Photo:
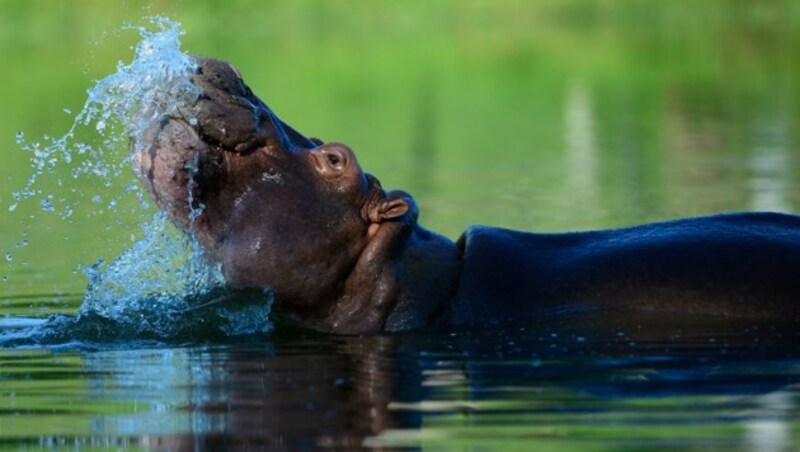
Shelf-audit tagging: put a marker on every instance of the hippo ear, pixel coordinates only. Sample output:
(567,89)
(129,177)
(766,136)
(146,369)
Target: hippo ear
(396,205)
(390,209)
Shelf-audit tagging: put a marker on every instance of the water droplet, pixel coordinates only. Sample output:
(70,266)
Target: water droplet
(67,111)
(97,199)
(9,257)
(46,205)
(193,121)
(20,137)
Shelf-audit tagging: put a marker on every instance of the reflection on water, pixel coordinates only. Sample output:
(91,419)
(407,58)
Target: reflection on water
(584,382)
(772,429)
(770,180)
(580,142)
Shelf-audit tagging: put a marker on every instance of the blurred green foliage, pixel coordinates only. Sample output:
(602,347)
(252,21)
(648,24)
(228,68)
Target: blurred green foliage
(546,115)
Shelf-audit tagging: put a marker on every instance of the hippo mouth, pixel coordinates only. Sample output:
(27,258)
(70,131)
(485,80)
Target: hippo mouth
(197,162)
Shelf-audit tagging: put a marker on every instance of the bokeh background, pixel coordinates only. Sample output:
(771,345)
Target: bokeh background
(541,115)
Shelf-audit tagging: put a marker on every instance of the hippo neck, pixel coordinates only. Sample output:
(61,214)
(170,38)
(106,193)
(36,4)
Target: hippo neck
(428,268)
(405,279)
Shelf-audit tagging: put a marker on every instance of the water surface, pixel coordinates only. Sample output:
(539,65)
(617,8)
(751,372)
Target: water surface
(566,385)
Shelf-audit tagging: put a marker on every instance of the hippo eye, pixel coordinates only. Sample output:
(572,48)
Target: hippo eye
(333,159)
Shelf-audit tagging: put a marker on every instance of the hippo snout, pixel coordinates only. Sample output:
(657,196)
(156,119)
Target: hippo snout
(227,114)
(197,162)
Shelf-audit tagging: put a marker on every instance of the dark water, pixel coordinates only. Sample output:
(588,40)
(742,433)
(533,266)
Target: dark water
(574,384)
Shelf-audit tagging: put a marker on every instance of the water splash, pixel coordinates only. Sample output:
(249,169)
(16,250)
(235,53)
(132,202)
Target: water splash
(118,107)
(169,261)
(163,287)
(164,276)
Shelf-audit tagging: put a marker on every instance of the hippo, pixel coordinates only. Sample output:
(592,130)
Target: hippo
(299,216)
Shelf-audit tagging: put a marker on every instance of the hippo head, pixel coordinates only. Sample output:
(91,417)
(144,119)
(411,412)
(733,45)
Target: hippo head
(275,208)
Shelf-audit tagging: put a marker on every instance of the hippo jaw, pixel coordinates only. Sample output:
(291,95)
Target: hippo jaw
(301,234)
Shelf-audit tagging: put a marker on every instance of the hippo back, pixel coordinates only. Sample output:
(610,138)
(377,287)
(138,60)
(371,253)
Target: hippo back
(732,265)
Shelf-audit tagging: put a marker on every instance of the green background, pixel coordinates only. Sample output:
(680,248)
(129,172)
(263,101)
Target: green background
(537,115)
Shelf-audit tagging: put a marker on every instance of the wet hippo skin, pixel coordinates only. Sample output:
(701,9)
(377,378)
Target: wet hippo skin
(728,265)
(294,214)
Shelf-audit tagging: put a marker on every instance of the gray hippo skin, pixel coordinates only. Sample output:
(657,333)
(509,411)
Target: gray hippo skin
(342,255)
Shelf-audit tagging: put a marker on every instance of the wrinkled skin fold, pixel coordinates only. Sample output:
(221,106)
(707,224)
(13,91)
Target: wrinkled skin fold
(295,214)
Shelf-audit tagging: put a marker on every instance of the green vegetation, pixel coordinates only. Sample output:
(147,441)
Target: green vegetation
(546,115)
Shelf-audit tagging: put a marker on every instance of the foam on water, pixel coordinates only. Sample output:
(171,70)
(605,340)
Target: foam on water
(163,286)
